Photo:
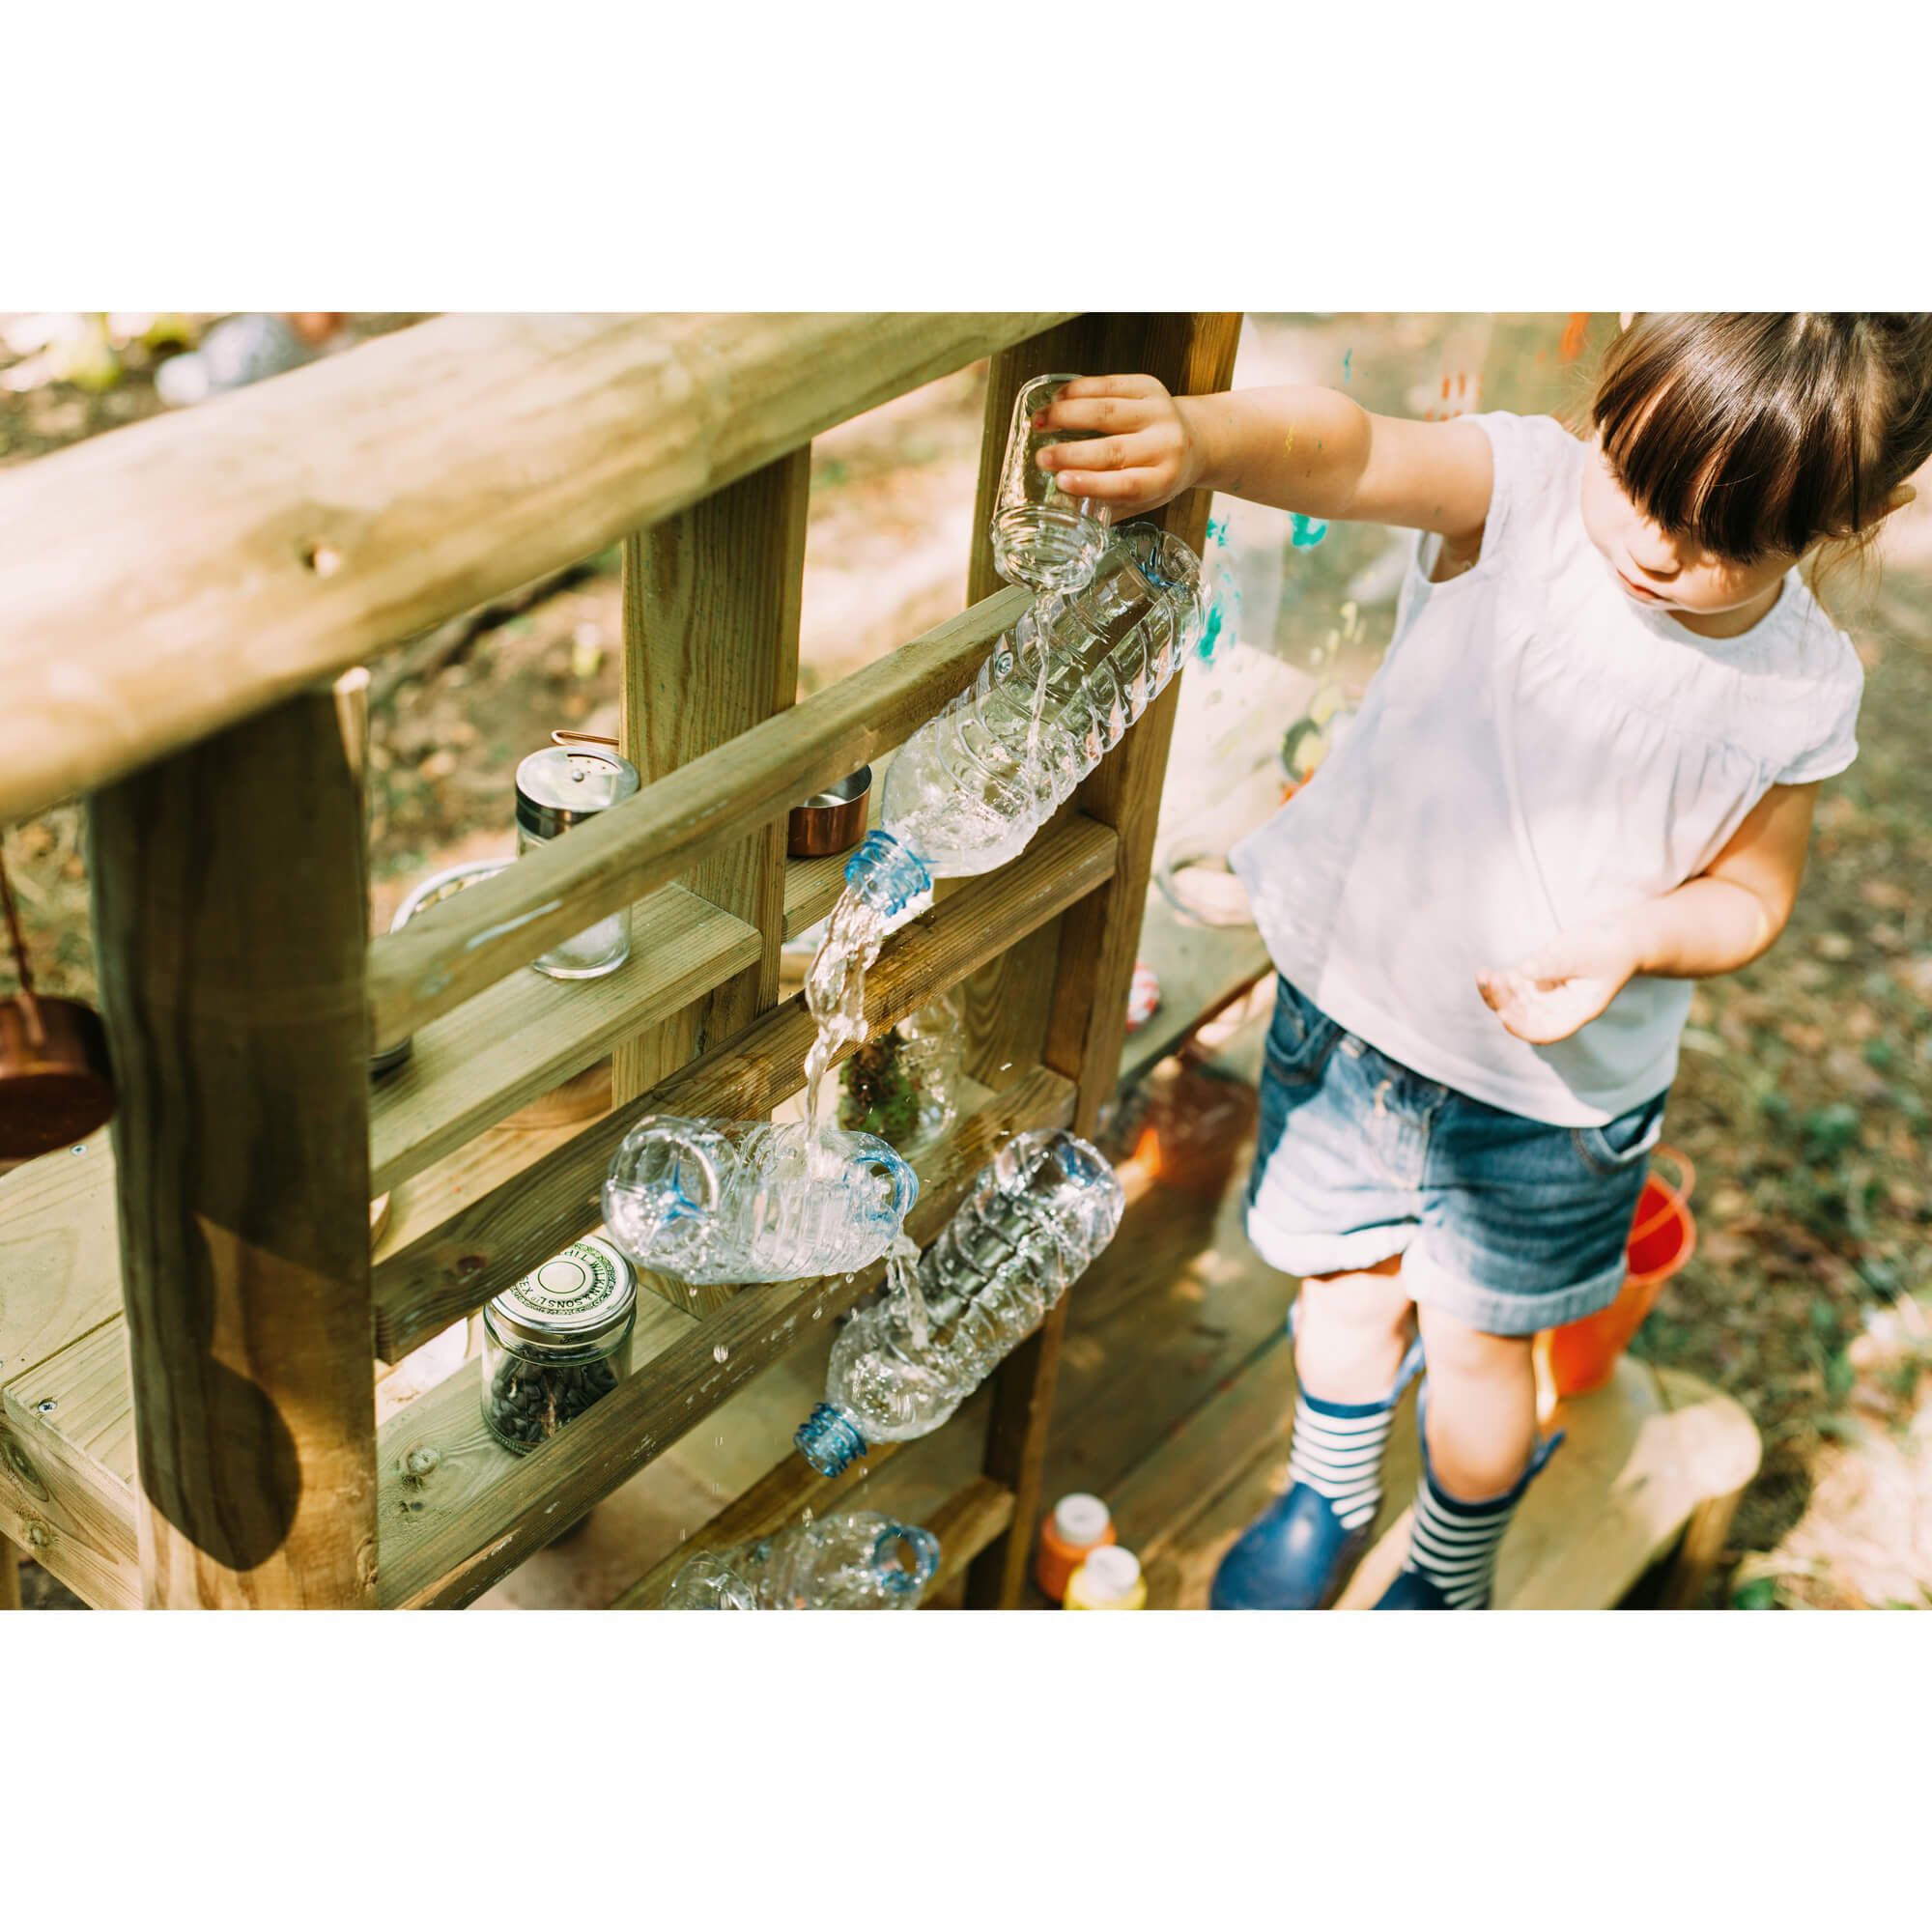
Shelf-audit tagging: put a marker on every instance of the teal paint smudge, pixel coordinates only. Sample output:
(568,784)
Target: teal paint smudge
(1218,530)
(1210,636)
(1348,357)
(1307,531)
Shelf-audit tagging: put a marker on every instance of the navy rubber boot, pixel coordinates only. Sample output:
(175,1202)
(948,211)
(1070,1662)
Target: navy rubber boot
(1465,1524)
(1297,1556)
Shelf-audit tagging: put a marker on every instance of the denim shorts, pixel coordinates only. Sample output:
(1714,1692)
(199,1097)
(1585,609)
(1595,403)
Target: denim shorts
(1507,1224)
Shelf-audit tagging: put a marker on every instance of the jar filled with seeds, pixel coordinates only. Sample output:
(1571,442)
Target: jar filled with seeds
(557,1343)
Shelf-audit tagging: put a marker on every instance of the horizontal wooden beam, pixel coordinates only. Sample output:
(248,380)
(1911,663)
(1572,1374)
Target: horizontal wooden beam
(474,937)
(487,1243)
(522,1035)
(67,1468)
(275,537)
(967,1522)
(456,1511)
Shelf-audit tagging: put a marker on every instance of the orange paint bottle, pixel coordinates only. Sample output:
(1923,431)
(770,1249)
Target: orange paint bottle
(1078,1524)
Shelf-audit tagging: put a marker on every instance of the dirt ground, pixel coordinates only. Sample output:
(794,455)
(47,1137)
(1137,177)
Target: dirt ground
(1804,1094)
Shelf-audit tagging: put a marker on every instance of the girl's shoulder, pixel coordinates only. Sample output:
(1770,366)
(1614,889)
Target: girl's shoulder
(1809,681)
(1538,465)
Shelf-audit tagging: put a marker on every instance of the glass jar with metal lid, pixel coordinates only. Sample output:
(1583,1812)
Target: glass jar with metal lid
(559,787)
(557,1343)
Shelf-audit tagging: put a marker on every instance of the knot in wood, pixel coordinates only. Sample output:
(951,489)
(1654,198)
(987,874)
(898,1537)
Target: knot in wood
(420,1461)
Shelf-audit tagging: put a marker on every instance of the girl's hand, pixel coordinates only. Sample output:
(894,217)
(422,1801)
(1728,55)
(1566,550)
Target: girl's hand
(1553,992)
(1146,456)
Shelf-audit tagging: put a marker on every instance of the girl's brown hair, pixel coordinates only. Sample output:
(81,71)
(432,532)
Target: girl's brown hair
(1759,435)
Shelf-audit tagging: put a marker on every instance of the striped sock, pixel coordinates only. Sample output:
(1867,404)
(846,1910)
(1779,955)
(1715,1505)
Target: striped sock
(1338,1453)
(1453,1544)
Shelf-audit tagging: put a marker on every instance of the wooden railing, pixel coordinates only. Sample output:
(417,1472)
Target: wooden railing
(188,1411)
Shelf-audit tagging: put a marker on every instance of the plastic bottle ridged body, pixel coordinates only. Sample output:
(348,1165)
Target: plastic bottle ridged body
(1037,1215)
(859,1560)
(742,1200)
(969,789)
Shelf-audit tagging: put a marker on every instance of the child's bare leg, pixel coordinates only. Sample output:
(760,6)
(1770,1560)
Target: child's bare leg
(1482,1405)
(1352,1338)
(1351,1332)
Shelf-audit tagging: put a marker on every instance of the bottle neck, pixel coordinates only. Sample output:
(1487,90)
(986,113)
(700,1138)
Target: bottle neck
(887,876)
(829,1440)
(907,1559)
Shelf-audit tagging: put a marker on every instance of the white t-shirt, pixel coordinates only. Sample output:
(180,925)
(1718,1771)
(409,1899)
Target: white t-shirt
(1535,752)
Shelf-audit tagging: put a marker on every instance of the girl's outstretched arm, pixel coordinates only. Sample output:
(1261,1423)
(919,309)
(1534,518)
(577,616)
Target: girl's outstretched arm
(1715,923)
(1299,448)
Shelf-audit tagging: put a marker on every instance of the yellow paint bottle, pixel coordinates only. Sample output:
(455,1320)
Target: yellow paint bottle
(1110,1580)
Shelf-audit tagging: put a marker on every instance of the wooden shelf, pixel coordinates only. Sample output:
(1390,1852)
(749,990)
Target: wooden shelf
(250,1141)
(525,1035)
(456,1511)
(473,938)
(474,1245)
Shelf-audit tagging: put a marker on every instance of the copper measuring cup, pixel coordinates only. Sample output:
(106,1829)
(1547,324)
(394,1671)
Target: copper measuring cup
(56,1086)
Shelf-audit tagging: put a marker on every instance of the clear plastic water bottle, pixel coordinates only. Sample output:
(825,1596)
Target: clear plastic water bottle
(970,787)
(1043,1208)
(738,1200)
(857,1561)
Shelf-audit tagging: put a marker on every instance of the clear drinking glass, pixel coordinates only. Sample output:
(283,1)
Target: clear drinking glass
(1041,537)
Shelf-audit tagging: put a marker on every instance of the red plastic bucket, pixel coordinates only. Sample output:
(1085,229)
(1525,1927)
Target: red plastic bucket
(1583,1355)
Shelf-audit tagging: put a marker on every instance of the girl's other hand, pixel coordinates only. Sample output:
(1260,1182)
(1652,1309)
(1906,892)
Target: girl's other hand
(1144,454)
(1562,987)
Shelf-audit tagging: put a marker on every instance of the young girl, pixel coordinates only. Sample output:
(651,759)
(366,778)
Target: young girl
(1584,776)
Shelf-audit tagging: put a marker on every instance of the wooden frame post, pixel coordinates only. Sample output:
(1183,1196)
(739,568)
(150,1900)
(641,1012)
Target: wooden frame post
(711,625)
(231,928)
(1079,1014)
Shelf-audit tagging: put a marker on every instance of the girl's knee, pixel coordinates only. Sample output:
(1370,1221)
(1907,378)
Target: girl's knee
(1364,1300)
(1453,1347)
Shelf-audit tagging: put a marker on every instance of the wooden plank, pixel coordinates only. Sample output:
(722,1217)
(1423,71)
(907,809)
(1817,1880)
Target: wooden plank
(67,1476)
(229,924)
(526,1033)
(476,936)
(12,1556)
(975,1519)
(769,1504)
(1086,1017)
(277,536)
(472,1531)
(1637,1468)
(488,1244)
(59,1253)
(711,617)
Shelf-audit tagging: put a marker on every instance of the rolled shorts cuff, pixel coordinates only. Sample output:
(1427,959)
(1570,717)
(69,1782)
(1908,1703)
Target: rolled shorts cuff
(1499,1310)
(1299,1254)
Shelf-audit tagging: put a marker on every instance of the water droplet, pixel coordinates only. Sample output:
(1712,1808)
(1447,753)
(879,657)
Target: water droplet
(817,1313)
(720,1353)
